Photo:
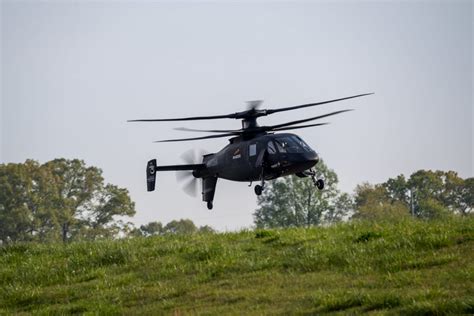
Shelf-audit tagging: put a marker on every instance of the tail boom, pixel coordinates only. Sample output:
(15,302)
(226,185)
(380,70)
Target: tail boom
(152,169)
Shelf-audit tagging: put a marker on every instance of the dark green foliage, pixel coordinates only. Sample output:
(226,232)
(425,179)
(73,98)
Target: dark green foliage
(409,267)
(59,200)
(296,202)
(370,235)
(427,194)
(180,227)
(152,228)
(264,233)
(183,226)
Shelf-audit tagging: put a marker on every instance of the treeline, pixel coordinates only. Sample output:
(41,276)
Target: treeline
(181,227)
(65,200)
(426,194)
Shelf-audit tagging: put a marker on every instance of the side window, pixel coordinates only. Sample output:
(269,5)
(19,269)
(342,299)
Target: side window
(271,148)
(281,146)
(252,150)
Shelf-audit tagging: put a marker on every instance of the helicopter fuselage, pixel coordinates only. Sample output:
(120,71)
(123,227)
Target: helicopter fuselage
(269,156)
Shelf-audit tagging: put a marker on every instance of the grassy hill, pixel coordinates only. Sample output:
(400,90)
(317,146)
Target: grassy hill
(409,267)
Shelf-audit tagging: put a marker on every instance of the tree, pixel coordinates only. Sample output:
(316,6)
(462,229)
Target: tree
(431,194)
(25,202)
(398,190)
(206,229)
(375,203)
(108,202)
(343,207)
(294,202)
(151,229)
(440,190)
(430,208)
(466,201)
(59,199)
(75,186)
(459,193)
(183,226)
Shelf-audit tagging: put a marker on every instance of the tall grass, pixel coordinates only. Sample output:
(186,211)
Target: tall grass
(407,267)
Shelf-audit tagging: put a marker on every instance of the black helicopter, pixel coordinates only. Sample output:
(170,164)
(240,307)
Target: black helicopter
(254,153)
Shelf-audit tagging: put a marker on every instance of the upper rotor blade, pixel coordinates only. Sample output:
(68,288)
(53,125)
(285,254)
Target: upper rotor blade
(271,111)
(194,138)
(208,130)
(304,120)
(301,126)
(193,118)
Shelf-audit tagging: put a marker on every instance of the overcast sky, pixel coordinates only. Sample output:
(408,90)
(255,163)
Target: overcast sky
(73,73)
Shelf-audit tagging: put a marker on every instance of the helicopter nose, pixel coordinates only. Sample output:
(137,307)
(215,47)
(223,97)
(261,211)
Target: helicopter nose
(307,160)
(313,157)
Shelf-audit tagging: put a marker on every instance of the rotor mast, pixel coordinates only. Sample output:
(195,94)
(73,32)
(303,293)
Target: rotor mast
(249,123)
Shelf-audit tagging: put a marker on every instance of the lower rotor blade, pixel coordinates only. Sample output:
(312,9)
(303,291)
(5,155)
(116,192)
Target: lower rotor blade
(305,120)
(195,138)
(296,127)
(208,130)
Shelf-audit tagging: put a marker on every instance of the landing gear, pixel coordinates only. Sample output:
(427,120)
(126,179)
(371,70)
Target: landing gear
(209,205)
(259,187)
(319,183)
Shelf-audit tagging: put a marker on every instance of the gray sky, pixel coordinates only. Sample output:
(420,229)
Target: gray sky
(73,73)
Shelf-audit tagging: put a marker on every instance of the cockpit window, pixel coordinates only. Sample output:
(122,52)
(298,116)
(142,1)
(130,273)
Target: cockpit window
(271,148)
(291,144)
(302,143)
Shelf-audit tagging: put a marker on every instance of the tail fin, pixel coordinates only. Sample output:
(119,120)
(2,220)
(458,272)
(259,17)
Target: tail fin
(151,175)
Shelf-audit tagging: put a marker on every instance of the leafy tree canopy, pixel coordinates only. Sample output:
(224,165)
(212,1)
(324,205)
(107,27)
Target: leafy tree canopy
(61,199)
(179,227)
(294,202)
(427,194)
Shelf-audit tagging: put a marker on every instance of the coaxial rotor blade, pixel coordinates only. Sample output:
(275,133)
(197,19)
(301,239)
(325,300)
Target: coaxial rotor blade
(209,131)
(251,112)
(273,127)
(271,111)
(296,127)
(193,118)
(194,138)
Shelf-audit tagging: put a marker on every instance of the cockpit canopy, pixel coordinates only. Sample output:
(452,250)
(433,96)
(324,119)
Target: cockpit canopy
(291,144)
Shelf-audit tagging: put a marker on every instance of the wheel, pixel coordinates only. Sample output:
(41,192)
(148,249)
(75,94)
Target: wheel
(258,189)
(320,184)
(209,205)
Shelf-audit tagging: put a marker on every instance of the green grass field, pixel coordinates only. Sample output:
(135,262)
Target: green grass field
(409,267)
